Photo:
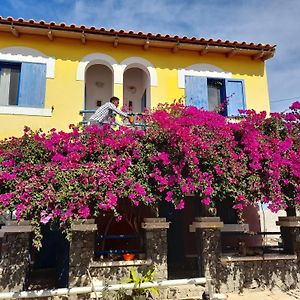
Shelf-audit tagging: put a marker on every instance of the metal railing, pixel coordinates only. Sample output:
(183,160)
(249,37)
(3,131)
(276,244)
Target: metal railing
(86,112)
(122,237)
(265,246)
(113,287)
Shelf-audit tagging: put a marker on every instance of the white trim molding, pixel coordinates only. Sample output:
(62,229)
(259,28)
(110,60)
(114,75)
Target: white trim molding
(142,63)
(205,70)
(117,69)
(93,59)
(29,111)
(25,54)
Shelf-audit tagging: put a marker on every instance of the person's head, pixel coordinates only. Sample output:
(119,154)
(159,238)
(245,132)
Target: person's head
(115,100)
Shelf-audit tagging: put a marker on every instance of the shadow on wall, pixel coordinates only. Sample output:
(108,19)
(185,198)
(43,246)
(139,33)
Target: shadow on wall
(236,276)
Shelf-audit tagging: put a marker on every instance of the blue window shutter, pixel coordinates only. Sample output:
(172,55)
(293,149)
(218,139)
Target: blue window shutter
(32,85)
(235,96)
(196,93)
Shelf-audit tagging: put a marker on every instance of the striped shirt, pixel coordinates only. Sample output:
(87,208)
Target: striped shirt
(106,113)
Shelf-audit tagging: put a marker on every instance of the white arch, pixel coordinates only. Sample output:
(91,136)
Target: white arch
(205,70)
(94,58)
(26,54)
(142,63)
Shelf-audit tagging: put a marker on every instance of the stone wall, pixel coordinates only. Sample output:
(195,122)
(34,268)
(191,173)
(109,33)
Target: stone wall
(235,273)
(156,245)
(14,262)
(208,238)
(82,247)
(116,272)
(258,273)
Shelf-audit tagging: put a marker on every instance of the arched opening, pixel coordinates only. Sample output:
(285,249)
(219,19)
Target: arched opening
(98,85)
(136,89)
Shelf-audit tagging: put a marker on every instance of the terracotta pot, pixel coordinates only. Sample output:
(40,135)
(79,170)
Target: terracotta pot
(128,256)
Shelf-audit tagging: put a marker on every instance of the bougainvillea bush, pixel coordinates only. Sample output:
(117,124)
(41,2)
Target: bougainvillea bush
(66,176)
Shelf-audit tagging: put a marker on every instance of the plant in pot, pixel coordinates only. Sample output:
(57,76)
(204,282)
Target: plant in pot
(128,256)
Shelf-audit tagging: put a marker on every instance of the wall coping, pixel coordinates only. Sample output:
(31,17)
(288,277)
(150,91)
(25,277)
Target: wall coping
(84,221)
(270,257)
(207,219)
(159,225)
(235,228)
(108,264)
(155,220)
(155,223)
(16,223)
(205,225)
(290,218)
(16,227)
(288,223)
(84,227)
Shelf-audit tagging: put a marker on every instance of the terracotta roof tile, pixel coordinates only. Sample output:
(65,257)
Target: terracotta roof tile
(122,32)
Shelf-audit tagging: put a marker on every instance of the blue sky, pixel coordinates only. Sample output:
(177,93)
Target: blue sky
(262,21)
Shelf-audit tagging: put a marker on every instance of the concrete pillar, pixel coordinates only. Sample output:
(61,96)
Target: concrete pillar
(208,238)
(156,245)
(14,263)
(118,92)
(82,247)
(290,233)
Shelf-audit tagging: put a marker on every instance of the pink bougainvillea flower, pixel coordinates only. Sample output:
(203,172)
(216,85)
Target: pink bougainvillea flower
(206,201)
(45,218)
(180,205)
(139,189)
(169,196)
(295,105)
(84,212)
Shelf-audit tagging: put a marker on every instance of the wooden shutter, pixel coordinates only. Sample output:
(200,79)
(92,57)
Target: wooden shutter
(32,85)
(196,93)
(235,96)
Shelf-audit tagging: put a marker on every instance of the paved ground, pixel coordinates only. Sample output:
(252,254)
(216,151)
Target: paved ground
(266,295)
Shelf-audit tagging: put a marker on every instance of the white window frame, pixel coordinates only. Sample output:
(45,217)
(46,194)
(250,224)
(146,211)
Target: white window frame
(26,54)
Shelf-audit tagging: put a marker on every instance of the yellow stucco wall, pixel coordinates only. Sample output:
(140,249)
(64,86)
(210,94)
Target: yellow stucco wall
(66,94)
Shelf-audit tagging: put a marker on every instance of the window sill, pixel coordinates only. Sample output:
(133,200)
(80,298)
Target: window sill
(230,259)
(121,263)
(29,111)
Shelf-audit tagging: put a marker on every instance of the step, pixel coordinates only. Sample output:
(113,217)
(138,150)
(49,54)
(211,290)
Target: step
(184,292)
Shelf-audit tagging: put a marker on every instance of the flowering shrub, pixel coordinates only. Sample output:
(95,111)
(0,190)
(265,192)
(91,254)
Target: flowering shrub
(65,176)
(272,146)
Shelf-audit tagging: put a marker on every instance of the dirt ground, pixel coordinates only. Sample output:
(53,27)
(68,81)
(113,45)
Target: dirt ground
(266,295)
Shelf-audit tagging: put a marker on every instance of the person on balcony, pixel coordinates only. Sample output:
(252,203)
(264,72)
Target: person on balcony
(107,112)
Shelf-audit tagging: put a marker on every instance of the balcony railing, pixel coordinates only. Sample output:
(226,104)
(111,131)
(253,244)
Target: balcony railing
(86,113)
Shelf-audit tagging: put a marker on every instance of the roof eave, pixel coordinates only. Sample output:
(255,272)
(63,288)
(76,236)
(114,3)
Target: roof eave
(230,49)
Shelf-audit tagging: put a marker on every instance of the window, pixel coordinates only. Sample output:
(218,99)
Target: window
(22,84)
(9,83)
(210,93)
(116,238)
(214,89)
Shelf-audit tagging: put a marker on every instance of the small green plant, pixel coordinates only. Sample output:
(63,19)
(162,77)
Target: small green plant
(139,293)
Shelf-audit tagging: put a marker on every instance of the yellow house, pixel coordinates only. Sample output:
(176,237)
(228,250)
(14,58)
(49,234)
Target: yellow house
(50,72)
